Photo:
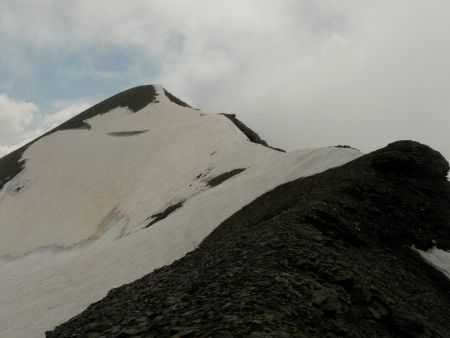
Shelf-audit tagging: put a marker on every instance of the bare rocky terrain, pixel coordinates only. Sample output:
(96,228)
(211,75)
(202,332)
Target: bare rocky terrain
(329,255)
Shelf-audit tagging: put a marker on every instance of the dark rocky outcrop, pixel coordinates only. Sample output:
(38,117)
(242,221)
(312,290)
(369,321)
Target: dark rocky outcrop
(176,100)
(127,133)
(165,213)
(134,99)
(324,256)
(251,135)
(11,165)
(345,146)
(215,181)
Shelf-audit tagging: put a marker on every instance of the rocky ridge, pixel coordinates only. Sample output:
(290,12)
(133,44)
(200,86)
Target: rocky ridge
(329,255)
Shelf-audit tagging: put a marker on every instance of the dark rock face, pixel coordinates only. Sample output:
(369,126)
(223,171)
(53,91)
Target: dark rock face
(215,181)
(127,133)
(176,100)
(10,166)
(345,146)
(251,135)
(414,159)
(134,98)
(164,214)
(324,256)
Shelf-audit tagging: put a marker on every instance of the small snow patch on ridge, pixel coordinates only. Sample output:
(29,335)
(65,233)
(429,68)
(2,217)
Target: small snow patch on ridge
(438,258)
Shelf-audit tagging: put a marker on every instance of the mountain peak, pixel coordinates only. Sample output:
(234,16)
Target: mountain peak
(413,158)
(134,99)
(142,179)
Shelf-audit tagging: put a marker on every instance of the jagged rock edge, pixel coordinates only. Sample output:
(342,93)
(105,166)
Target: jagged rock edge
(251,135)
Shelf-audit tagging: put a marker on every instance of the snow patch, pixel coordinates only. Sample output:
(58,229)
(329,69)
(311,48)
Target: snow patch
(438,258)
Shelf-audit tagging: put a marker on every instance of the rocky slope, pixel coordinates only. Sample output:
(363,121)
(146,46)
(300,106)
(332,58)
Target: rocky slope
(330,255)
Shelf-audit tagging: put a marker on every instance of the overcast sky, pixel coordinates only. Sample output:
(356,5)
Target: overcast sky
(302,73)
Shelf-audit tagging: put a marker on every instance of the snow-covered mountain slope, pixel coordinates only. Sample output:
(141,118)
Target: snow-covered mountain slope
(329,255)
(127,186)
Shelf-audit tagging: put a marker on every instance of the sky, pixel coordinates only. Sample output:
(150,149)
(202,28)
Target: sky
(301,73)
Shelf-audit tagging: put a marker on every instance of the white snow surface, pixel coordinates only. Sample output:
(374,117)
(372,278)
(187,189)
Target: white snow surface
(439,258)
(76,228)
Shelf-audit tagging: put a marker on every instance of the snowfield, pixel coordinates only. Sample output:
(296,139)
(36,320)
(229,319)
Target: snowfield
(438,258)
(74,222)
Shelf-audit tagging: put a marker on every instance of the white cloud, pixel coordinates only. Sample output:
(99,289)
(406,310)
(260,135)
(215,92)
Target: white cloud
(15,115)
(302,72)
